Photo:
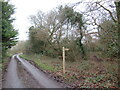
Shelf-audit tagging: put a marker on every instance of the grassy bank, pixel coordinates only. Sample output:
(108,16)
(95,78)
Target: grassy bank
(40,62)
(5,62)
(81,74)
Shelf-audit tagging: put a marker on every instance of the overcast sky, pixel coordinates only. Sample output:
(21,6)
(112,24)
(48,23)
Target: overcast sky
(25,8)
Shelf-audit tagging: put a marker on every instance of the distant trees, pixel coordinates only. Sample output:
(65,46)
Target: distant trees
(8,32)
(60,27)
(94,30)
(76,21)
(20,47)
(38,40)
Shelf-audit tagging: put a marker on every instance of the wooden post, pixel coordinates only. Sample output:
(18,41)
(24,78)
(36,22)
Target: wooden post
(63,60)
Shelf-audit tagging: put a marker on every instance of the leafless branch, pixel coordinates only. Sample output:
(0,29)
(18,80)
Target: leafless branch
(108,11)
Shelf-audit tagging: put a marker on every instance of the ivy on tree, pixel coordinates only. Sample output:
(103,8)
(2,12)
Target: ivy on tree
(75,18)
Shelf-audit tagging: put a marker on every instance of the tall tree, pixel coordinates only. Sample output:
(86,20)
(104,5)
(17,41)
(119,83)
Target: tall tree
(38,39)
(99,10)
(108,36)
(8,32)
(0,29)
(118,24)
(76,20)
(60,24)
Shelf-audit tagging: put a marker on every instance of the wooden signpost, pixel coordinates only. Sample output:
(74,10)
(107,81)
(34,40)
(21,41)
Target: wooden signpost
(64,49)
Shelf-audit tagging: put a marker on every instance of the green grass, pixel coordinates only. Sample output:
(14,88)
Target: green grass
(36,59)
(25,57)
(44,66)
(5,62)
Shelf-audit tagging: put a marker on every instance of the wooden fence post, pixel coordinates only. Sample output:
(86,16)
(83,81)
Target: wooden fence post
(63,60)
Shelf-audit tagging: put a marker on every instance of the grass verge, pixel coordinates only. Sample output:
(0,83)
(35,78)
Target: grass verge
(37,61)
(81,74)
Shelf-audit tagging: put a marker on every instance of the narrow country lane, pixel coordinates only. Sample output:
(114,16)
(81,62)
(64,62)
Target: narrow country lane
(44,80)
(20,73)
(12,79)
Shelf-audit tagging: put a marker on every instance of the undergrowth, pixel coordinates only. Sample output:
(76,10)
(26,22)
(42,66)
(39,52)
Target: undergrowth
(81,74)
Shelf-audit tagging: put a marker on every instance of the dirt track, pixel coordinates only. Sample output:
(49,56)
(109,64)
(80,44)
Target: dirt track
(22,74)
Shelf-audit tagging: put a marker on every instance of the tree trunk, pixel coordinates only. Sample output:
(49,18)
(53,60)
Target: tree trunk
(82,50)
(118,24)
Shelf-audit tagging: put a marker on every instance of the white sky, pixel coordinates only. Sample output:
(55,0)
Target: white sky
(25,8)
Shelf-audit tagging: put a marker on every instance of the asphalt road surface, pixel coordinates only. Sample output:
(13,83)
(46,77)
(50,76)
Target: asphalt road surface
(22,74)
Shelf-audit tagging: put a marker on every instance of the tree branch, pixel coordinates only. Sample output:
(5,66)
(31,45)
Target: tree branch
(108,12)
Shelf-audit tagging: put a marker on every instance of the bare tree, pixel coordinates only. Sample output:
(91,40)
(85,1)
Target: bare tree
(98,11)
